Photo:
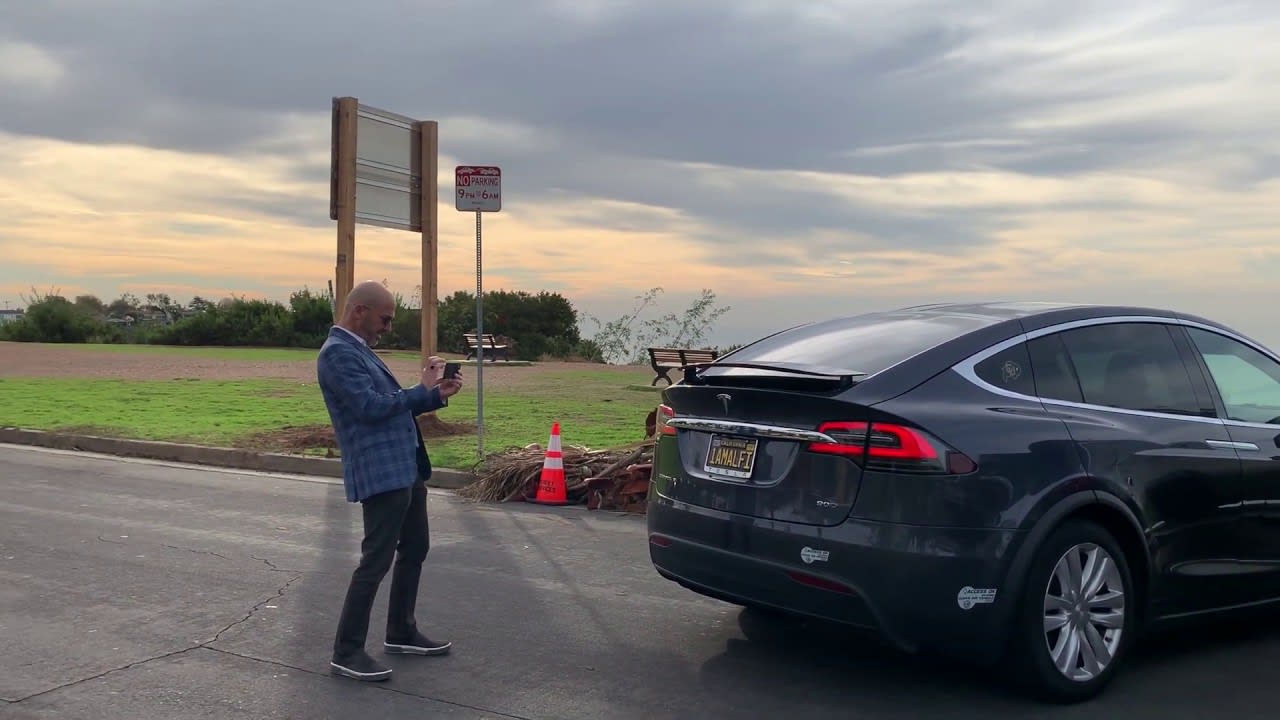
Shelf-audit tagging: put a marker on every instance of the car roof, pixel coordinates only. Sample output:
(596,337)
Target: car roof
(1010,316)
(973,326)
(1038,313)
(1016,310)
(1000,316)
(960,329)
(1000,308)
(1033,315)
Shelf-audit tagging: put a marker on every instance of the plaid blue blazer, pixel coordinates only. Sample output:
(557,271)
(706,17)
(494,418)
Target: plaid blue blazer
(373,418)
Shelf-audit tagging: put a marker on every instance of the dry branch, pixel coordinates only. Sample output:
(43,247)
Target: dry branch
(513,475)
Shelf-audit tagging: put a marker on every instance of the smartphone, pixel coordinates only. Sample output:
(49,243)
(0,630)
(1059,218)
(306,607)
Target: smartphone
(451,370)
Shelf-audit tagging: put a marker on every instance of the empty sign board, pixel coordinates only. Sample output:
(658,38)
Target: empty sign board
(388,176)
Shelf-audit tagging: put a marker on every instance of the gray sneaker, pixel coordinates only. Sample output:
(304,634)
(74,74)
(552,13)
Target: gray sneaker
(417,644)
(361,667)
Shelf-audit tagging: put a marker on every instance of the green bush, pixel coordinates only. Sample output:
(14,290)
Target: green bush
(55,319)
(312,317)
(406,329)
(541,325)
(258,323)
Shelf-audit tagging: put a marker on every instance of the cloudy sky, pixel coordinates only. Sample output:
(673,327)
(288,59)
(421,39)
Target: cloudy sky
(800,159)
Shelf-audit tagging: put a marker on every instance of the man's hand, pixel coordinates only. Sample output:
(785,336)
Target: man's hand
(449,388)
(431,378)
(431,373)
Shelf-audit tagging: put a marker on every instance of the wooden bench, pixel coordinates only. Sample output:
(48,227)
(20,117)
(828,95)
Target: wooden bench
(665,360)
(492,348)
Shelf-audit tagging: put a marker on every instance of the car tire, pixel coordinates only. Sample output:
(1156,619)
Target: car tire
(1067,644)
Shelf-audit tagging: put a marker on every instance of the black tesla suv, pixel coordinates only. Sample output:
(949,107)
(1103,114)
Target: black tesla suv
(1020,481)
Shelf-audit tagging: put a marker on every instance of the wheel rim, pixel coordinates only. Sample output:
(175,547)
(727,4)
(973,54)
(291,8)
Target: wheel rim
(1084,612)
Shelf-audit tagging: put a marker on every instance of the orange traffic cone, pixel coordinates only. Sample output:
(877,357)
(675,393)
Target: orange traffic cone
(551,487)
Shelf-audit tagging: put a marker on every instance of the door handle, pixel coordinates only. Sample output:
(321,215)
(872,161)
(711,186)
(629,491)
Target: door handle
(1229,445)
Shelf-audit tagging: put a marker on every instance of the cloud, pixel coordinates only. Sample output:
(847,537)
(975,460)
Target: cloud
(828,149)
(24,66)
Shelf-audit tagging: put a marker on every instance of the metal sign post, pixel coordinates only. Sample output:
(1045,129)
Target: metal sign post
(479,188)
(479,346)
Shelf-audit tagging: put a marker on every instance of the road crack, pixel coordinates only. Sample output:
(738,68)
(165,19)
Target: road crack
(105,673)
(273,567)
(279,593)
(198,552)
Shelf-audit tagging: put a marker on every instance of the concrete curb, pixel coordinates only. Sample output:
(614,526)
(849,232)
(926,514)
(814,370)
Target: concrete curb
(202,455)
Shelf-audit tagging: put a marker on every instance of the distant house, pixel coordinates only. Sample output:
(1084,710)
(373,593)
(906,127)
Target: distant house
(153,314)
(148,315)
(7,316)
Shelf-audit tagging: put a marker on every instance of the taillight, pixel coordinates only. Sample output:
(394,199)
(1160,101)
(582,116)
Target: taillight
(850,439)
(664,414)
(890,447)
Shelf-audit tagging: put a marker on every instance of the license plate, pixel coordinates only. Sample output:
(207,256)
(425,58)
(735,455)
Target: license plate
(731,456)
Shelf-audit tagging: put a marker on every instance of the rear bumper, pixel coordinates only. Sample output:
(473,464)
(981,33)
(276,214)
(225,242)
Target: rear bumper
(906,582)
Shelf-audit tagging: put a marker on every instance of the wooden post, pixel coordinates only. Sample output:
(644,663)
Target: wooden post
(344,197)
(428,131)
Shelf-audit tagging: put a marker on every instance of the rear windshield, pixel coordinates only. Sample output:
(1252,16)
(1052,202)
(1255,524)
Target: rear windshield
(866,343)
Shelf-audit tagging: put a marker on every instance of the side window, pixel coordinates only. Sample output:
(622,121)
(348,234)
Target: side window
(1009,369)
(1131,365)
(1055,377)
(1248,381)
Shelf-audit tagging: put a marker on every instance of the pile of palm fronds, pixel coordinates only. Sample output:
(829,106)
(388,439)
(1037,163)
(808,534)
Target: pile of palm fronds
(596,477)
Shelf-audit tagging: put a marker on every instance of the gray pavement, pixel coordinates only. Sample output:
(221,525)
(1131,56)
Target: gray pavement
(139,589)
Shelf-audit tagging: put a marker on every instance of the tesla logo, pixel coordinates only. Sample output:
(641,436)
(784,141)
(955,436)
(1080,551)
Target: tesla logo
(724,399)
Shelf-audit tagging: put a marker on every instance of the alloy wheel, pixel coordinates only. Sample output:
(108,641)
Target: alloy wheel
(1084,612)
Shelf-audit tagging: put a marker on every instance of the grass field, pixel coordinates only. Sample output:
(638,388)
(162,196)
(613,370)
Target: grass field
(268,399)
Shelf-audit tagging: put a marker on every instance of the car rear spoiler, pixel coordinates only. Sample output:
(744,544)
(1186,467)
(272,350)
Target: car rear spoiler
(847,377)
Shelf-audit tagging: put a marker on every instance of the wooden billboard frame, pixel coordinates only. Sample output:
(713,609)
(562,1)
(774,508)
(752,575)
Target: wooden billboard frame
(424,215)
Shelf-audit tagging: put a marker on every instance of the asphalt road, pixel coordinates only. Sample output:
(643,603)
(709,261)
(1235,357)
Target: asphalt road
(134,589)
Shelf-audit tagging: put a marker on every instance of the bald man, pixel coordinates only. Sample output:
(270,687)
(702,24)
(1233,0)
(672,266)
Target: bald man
(384,468)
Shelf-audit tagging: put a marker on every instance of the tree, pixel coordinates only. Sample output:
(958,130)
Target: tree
(52,318)
(621,341)
(539,325)
(126,304)
(542,324)
(92,305)
(312,316)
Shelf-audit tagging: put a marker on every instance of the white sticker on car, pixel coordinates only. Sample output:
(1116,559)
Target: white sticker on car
(810,556)
(968,597)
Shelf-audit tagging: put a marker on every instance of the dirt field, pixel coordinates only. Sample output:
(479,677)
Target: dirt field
(47,360)
(39,360)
